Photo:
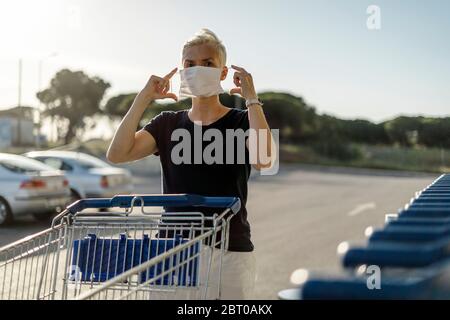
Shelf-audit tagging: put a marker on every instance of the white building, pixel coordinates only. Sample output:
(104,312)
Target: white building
(15,130)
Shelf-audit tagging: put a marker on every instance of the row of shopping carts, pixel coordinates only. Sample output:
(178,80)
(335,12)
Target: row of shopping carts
(408,259)
(127,251)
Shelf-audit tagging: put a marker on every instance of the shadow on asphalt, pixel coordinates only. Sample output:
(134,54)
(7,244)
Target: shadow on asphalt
(27,222)
(20,228)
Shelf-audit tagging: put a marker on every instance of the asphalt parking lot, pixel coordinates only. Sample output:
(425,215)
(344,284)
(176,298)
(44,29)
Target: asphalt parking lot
(299,216)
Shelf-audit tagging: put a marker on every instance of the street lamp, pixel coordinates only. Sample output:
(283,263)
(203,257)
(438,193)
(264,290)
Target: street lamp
(40,67)
(19,103)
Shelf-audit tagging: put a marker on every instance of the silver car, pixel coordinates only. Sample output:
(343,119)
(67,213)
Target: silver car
(88,176)
(28,187)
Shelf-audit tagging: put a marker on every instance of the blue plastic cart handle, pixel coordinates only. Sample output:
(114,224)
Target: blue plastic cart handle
(157,200)
(409,234)
(405,221)
(335,289)
(435,192)
(435,212)
(393,255)
(432,200)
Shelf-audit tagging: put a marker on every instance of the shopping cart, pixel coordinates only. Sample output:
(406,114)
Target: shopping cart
(409,256)
(121,254)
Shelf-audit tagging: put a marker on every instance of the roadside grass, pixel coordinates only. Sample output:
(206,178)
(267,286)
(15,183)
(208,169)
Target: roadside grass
(433,160)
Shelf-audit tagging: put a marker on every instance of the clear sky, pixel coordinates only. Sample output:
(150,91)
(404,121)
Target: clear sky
(321,50)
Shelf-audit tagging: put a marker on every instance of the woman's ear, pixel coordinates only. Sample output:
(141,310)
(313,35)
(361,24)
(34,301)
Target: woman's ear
(224,74)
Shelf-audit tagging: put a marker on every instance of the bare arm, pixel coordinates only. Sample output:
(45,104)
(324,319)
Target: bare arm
(263,139)
(127,144)
(261,150)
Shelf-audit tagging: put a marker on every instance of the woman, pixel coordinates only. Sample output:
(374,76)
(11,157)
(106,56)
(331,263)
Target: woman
(204,63)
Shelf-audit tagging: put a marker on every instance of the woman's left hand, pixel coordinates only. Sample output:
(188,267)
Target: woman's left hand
(244,83)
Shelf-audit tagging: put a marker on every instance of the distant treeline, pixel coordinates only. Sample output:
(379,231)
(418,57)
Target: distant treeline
(299,123)
(334,137)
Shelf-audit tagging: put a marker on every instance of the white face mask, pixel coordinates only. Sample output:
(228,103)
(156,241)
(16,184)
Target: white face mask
(200,81)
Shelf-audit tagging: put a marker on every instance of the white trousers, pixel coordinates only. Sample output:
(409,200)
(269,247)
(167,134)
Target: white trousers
(238,275)
(235,281)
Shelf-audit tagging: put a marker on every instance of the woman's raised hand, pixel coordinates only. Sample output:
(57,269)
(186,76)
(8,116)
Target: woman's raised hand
(243,81)
(158,88)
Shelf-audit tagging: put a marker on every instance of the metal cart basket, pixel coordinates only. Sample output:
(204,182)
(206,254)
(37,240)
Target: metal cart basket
(121,253)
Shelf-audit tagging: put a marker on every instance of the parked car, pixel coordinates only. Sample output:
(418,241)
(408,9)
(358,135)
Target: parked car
(28,187)
(88,176)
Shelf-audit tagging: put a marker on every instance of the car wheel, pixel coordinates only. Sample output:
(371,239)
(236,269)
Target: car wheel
(5,213)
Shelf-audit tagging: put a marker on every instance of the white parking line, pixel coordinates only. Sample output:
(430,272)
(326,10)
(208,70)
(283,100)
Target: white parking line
(361,208)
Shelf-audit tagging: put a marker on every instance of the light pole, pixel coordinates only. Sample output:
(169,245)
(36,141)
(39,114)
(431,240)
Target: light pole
(19,103)
(40,67)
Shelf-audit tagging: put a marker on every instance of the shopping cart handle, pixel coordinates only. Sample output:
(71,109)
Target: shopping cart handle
(425,212)
(394,256)
(357,288)
(157,200)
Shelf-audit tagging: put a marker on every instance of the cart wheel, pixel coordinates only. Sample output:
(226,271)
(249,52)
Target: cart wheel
(5,213)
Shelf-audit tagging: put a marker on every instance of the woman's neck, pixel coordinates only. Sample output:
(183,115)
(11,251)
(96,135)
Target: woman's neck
(207,109)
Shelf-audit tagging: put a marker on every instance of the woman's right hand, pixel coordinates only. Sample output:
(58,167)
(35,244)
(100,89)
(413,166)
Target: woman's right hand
(158,88)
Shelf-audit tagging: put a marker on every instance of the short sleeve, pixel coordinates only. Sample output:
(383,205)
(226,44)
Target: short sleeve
(155,127)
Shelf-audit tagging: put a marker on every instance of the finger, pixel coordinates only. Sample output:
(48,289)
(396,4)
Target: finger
(170,74)
(162,85)
(156,79)
(156,82)
(171,96)
(236,90)
(238,68)
(239,74)
(237,79)
(242,75)
(166,87)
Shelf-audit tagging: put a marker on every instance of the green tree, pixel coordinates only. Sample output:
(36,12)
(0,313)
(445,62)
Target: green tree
(297,121)
(363,131)
(403,130)
(73,96)
(119,105)
(435,132)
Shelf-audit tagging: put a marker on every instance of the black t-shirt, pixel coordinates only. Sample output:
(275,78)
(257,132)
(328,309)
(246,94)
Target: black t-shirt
(222,177)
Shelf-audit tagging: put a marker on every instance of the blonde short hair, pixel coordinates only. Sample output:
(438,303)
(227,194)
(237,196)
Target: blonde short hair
(207,36)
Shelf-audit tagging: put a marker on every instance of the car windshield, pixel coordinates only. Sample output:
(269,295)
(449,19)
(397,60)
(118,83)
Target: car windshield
(19,164)
(90,162)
